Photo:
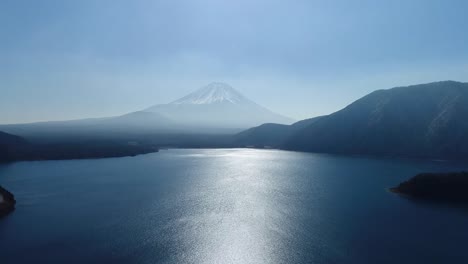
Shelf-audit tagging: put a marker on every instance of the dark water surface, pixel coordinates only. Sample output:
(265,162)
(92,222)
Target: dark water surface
(226,206)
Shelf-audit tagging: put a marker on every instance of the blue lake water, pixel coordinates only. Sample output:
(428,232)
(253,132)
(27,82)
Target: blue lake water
(226,206)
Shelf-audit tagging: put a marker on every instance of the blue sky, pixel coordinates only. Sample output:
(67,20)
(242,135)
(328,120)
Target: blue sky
(67,59)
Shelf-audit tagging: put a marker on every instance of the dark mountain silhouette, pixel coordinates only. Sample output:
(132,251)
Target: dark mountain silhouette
(10,144)
(422,120)
(14,148)
(427,120)
(271,135)
(10,140)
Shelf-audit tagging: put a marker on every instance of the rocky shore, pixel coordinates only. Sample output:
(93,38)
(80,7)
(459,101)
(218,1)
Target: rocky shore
(7,202)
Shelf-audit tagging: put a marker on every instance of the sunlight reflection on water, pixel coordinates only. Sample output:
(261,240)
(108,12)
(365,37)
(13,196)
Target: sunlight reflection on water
(224,206)
(234,216)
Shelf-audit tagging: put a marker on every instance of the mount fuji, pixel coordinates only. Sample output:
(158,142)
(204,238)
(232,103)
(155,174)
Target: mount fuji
(215,108)
(217,105)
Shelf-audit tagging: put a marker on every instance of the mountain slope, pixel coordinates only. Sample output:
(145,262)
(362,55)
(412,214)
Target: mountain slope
(9,144)
(14,148)
(132,123)
(272,135)
(428,120)
(217,105)
(141,120)
(215,92)
(10,140)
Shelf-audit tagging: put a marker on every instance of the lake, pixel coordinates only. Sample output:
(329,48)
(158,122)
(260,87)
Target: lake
(227,206)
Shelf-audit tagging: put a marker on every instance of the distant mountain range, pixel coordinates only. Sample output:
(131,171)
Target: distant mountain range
(213,109)
(427,120)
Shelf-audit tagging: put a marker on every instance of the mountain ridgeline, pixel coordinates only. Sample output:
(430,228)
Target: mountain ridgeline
(270,134)
(427,120)
(214,109)
(217,106)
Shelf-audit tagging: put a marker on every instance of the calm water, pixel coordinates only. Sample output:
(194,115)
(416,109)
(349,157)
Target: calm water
(226,206)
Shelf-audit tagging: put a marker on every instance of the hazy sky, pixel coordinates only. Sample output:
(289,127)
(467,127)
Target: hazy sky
(68,59)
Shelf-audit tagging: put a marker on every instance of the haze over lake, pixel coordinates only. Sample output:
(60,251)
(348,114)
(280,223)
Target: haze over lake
(221,132)
(226,206)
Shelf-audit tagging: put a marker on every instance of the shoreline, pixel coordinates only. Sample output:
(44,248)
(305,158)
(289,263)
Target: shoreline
(7,202)
(83,156)
(445,187)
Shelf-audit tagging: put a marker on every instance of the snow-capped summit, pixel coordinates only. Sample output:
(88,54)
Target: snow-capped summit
(215,92)
(217,105)
(213,109)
